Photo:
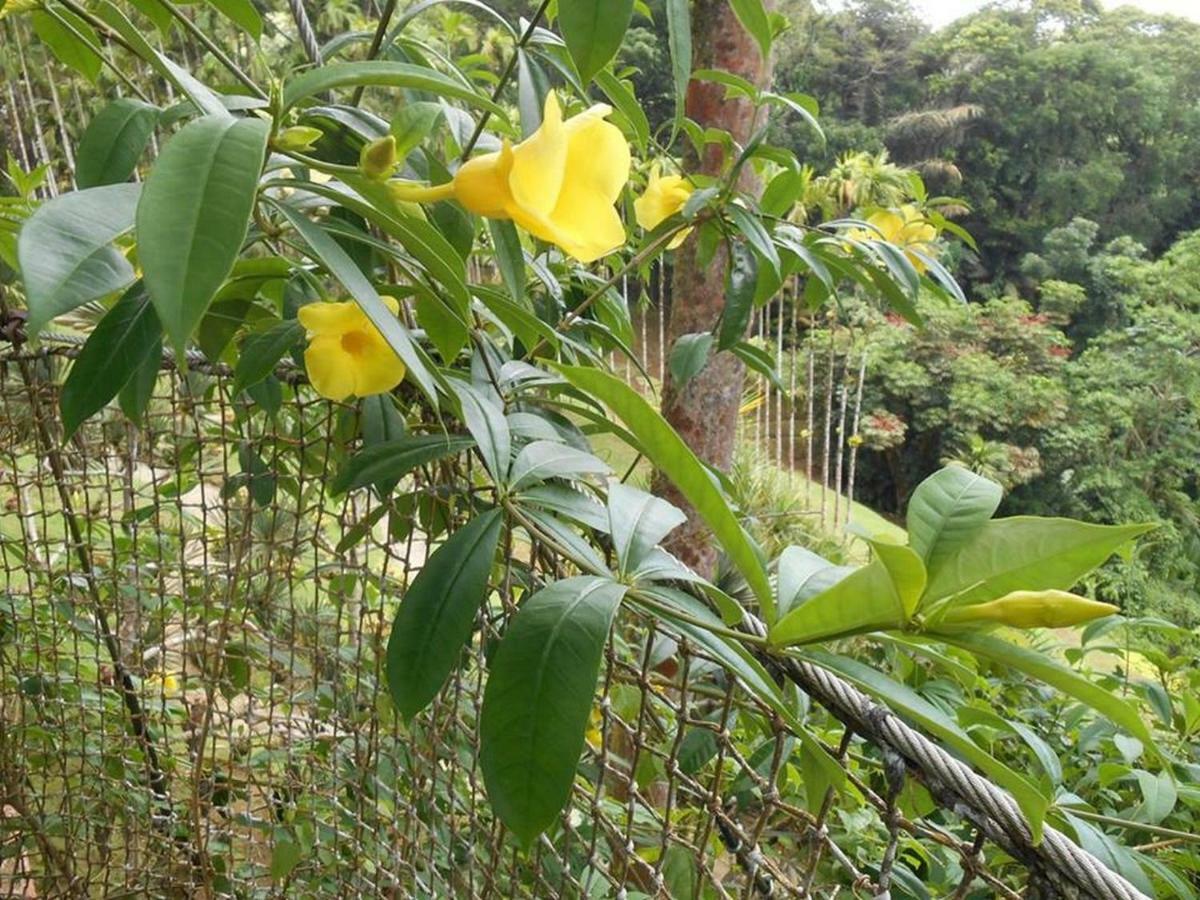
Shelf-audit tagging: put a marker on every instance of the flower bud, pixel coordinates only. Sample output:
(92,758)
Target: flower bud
(1031,609)
(378,158)
(298,138)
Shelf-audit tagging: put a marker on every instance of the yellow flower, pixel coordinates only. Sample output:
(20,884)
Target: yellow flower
(1032,609)
(168,684)
(664,196)
(346,353)
(906,228)
(559,184)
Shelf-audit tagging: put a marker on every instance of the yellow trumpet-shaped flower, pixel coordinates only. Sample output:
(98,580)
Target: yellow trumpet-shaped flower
(559,184)
(346,353)
(906,228)
(664,196)
(1032,609)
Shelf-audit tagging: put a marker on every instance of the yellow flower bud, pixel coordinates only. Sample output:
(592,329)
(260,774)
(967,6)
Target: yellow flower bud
(559,184)
(378,158)
(299,138)
(346,353)
(1032,609)
(664,196)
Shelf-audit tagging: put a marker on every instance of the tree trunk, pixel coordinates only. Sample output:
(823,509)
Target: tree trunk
(705,410)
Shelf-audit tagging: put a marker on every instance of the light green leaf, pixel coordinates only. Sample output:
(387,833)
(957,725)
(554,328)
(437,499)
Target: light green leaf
(638,521)
(484,418)
(412,124)
(65,253)
(242,14)
(538,698)
(541,460)
(384,73)
(1159,796)
(946,510)
(1027,553)
(905,569)
(392,460)
(437,613)
(660,443)
(114,141)
(593,30)
(802,575)
(343,268)
(754,19)
(193,215)
(119,345)
(865,600)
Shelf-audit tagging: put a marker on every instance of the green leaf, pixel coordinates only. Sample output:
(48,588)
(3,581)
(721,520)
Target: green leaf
(627,105)
(114,141)
(394,459)
(510,258)
(802,575)
(118,346)
(752,229)
(679,41)
(905,569)
(660,443)
(63,42)
(135,396)
(242,14)
(1159,796)
(865,600)
(593,31)
(638,521)
(541,460)
(263,350)
(194,213)
(442,325)
(689,356)
(946,511)
(1027,553)
(285,856)
(412,124)
(65,253)
(484,418)
(910,705)
(1042,667)
(539,697)
(739,296)
(342,267)
(438,611)
(754,19)
(385,73)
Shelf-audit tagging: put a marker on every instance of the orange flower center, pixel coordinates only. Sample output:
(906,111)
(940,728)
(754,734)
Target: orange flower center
(355,342)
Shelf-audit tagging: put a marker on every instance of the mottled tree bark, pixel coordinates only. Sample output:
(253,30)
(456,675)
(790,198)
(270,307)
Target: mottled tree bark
(705,410)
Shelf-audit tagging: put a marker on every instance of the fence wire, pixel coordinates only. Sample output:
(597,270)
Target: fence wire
(193,701)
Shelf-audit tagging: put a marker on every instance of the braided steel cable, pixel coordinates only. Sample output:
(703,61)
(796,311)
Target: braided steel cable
(307,37)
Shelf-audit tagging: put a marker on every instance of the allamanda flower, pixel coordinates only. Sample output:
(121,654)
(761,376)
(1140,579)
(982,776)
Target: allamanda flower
(906,228)
(559,184)
(664,196)
(346,353)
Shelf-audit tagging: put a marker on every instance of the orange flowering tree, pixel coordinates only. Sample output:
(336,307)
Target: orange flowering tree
(440,247)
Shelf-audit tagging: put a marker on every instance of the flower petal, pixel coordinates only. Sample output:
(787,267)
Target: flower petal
(377,369)
(330,368)
(329,318)
(539,163)
(481,184)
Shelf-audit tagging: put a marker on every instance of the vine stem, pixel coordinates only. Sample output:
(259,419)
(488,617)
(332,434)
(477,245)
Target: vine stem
(212,48)
(505,77)
(385,19)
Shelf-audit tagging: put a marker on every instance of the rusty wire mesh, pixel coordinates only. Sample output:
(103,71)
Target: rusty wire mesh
(193,703)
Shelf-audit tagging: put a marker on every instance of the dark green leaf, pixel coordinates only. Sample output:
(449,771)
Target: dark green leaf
(124,339)
(593,30)
(689,355)
(538,699)
(385,73)
(68,37)
(114,141)
(739,296)
(510,258)
(263,350)
(679,41)
(242,14)
(393,460)
(135,396)
(435,617)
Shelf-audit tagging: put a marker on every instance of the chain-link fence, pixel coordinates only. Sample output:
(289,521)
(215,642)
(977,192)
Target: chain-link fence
(193,701)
